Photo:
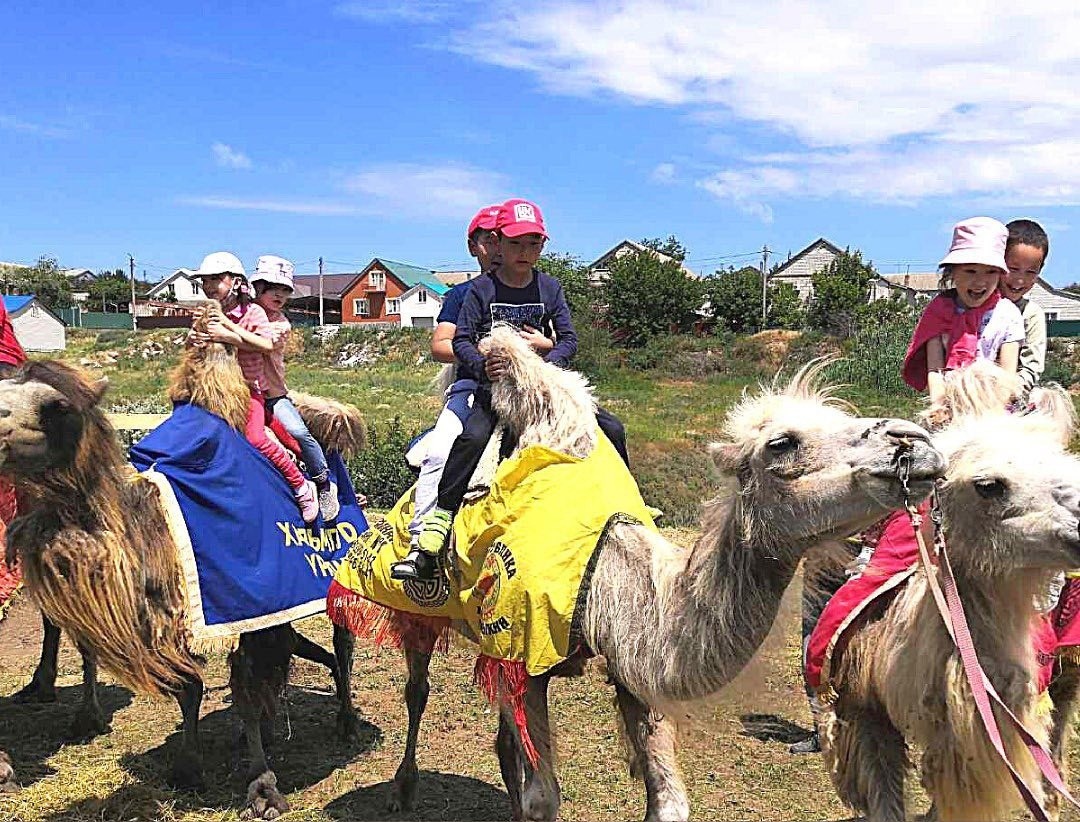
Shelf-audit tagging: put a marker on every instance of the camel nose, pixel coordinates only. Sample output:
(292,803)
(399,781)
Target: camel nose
(904,431)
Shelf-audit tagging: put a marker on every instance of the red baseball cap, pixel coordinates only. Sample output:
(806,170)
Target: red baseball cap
(518,217)
(484,220)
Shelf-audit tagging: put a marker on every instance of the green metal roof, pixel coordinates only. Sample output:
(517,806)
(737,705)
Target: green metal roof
(412,275)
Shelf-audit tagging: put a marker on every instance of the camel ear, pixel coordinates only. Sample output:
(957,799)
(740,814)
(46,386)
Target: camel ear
(98,388)
(725,455)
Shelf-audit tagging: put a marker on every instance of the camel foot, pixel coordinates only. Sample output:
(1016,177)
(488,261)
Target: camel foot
(7,775)
(403,791)
(348,725)
(264,801)
(187,773)
(36,691)
(88,723)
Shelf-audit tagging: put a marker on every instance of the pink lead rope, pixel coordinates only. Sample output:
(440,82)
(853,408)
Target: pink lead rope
(952,614)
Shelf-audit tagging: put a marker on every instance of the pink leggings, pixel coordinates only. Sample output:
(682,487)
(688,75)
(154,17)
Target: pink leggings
(256,435)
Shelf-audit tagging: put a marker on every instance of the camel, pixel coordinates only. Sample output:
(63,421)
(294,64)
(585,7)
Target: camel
(675,625)
(99,559)
(1010,507)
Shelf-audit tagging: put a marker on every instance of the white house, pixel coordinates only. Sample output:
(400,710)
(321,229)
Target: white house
(599,269)
(36,327)
(418,307)
(799,269)
(182,285)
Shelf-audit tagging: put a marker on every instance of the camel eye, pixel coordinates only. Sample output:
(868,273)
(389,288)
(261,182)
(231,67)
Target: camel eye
(782,444)
(990,488)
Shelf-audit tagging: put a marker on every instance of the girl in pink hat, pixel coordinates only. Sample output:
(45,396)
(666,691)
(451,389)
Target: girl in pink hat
(969,319)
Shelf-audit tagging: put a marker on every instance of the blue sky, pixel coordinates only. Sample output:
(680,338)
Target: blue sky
(355,129)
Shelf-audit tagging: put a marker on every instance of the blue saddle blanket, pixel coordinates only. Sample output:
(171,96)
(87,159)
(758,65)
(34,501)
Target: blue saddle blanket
(248,559)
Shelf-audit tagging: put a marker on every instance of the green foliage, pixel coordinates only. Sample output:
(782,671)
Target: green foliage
(44,280)
(880,313)
(735,300)
(573,274)
(875,356)
(784,307)
(380,471)
(671,247)
(841,290)
(110,288)
(646,296)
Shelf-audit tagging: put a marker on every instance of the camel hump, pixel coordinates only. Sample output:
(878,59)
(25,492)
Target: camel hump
(338,426)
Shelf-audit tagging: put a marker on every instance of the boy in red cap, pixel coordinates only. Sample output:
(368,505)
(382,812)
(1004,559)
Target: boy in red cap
(482,244)
(514,291)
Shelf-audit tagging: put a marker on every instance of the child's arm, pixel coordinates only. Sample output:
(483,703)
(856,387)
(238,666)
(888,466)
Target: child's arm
(935,368)
(226,331)
(1033,350)
(470,316)
(1009,356)
(566,346)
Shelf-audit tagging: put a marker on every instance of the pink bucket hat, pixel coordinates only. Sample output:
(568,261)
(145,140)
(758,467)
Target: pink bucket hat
(518,217)
(978,240)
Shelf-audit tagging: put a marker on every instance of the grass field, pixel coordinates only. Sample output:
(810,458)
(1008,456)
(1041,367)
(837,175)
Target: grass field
(736,764)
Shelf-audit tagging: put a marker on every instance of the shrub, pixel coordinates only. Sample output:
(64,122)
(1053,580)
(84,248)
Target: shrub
(380,471)
(875,356)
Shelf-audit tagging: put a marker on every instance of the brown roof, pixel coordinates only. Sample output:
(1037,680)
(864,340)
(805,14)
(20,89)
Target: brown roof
(334,285)
(924,281)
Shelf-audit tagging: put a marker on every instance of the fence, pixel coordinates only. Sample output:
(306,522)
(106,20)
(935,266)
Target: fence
(1063,328)
(75,317)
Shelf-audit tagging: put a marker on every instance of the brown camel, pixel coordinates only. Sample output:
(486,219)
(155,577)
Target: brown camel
(1010,509)
(99,560)
(676,624)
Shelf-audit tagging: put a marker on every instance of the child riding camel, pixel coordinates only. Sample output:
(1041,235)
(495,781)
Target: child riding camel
(244,326)
(1025,255)
(273,283)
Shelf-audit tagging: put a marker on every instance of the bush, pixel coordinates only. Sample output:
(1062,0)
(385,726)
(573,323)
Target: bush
(112,338)
(380,471)
(874,358)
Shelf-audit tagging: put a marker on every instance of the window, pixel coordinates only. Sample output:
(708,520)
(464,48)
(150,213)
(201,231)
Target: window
(377,280)
(360,307)
(393,306)
(1051,315)
(421,296)
(35,311)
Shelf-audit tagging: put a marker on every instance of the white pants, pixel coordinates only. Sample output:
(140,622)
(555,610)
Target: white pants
(438,441)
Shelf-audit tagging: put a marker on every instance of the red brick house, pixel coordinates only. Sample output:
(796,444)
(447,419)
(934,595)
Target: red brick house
(374,296)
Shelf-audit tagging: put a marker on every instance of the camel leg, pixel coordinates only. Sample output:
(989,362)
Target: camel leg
(7,775)
(1064,689)
(652,739)
(42,686)
(348,723)
(511,761)
(403,792)
(866,756)
(187,767)
(542,795)
(90,719)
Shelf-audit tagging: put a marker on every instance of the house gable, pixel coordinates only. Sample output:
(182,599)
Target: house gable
(599,268)
(801,268)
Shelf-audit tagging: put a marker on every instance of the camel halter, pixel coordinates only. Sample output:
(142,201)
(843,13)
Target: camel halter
(952,613)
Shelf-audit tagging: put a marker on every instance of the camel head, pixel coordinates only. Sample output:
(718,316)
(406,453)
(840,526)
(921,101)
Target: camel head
(49,418)
(808,470)
(209,376)
(1011,498)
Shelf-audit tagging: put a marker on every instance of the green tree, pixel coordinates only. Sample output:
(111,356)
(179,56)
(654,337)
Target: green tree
(841,290)
(671,247)
(881,313)
(785,307)
(734,298)
(110,288)
(646,296)
(45,281)
(573,274)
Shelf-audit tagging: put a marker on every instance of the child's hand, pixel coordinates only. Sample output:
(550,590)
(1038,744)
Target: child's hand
(220,332)
(496,367)
(537,341)
(361,500)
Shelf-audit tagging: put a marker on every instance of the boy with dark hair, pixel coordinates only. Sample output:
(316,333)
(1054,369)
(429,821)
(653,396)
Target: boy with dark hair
(1025,255)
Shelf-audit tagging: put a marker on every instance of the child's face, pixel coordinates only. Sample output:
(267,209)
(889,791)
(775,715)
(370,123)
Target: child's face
(974,282)
(1025,264)
(484,245)
(217,286)
(520,254)
(274,297)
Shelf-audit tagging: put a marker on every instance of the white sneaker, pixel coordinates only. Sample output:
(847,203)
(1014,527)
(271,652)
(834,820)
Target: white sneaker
(308,501)
(328,502)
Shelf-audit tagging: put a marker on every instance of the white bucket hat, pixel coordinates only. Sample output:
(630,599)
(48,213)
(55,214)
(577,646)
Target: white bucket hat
(978,240)
(273,270)
(220,262)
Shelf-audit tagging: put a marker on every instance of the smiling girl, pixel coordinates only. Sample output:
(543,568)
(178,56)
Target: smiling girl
(969,319)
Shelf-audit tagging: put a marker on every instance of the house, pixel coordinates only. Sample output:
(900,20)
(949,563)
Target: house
(452,278)
(181,286)
(599,269)
(36,327)
(1059,305)
(799,270)
(303,307)
(917,287)
(375,296)
(80,279)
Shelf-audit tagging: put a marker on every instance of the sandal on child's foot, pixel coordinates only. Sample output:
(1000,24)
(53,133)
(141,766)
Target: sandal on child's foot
(308,501)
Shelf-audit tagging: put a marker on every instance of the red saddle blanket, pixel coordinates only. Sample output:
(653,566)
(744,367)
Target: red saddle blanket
(895,559)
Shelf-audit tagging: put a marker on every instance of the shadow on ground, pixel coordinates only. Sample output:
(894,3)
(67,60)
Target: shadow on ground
(441,796)
(304,750)
(772,728)
(33,732)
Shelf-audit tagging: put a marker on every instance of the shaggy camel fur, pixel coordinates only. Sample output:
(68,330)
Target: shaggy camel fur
(674,624)
(1010,511)
(98,557)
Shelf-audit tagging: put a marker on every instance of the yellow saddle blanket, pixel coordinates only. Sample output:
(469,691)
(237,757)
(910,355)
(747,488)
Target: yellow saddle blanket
(520,559)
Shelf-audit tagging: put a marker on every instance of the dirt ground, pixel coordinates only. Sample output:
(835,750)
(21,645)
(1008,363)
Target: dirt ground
(737,766)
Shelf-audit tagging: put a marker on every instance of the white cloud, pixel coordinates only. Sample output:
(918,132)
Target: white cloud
(874,100)
(664,173)
(310,208)
(408,11)
(228,157)
(410,189)
(10,122)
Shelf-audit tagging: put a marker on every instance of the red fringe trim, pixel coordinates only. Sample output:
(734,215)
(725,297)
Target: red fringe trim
(505,681)
(386,626)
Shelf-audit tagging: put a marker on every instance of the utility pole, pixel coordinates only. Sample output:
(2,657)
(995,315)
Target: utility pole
(320,293)
(131,268)
(764,285)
